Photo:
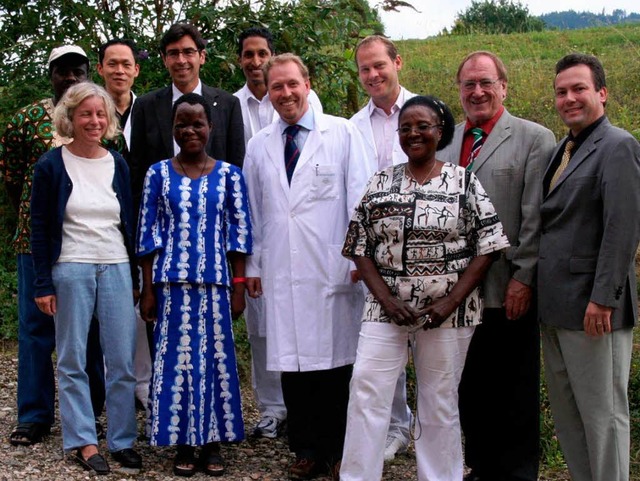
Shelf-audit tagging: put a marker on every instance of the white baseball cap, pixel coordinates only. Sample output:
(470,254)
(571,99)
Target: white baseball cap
(60,52)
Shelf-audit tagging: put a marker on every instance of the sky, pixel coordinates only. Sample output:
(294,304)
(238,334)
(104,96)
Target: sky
(436,15)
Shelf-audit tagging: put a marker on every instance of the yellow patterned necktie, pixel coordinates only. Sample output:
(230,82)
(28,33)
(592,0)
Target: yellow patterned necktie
(566,156)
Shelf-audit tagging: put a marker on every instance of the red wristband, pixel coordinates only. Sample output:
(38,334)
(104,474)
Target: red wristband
(239,280)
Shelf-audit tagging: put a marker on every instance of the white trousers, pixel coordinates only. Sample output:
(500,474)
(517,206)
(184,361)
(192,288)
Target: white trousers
(400,424)
(439,356)
(267,387)
(587,378)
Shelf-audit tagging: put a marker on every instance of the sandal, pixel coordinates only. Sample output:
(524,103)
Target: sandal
(28,434)
(211,461)
(95,463)
(184,463)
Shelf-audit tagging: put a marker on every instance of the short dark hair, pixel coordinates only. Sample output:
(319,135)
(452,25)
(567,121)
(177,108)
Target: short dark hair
(179,30)
(500,68)
(118,41)
(193,99)
(574,59)
(390,47)
(441,109)
(255,32)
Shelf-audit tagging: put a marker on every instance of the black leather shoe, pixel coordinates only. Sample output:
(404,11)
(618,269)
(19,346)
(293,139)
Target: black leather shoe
(95,463)
(128,458)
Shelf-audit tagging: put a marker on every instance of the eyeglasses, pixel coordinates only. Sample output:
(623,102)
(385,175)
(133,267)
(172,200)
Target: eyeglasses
(485,84)
(186,52)
(420,128)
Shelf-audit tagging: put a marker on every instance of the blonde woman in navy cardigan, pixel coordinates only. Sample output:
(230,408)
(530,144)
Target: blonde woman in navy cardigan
(81,211)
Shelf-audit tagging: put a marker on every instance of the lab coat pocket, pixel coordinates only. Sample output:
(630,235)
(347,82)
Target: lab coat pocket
(325,182)
(339,269)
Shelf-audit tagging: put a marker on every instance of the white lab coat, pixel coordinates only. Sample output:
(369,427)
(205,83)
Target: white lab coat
(312,308)
(253,313)
(362,120)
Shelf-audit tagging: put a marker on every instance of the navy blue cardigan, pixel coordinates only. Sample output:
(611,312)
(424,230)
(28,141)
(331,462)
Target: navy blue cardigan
(49,196)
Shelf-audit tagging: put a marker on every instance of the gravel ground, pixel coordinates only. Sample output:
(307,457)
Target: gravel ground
(251,460)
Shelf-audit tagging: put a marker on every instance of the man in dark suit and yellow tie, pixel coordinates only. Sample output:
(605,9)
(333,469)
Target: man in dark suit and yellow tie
(586,280)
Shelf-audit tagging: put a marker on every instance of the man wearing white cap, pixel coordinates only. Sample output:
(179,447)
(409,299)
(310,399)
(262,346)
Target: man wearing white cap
(28,135)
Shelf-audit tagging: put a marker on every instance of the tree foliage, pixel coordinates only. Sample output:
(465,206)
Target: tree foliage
(496,17)
(323,33)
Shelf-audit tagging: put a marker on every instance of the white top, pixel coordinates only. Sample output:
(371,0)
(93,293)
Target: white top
(379,132)
(385,129)
(91,223)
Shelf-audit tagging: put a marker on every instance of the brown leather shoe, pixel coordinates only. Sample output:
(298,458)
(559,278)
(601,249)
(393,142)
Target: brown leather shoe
(303,468)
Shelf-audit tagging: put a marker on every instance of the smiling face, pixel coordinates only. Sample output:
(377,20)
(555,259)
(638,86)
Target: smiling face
(419,132)
(255,52)
(288,90)
(89,121)
(481,103)
(118,69)
(378,73)
(578,102)
(191,129)
(183,61)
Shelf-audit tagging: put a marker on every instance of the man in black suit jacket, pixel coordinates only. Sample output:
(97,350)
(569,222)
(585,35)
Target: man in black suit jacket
(586,280)
(183,53)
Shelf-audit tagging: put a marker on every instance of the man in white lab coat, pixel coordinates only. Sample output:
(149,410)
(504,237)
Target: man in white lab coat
(378,65)
(255,48)
(304,174)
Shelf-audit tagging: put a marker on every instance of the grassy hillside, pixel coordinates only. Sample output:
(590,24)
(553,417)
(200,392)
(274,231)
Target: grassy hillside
(430,67)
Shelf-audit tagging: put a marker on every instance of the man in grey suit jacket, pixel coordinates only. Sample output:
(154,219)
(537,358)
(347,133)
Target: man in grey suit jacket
(586,279)
(183,53)
(499,391)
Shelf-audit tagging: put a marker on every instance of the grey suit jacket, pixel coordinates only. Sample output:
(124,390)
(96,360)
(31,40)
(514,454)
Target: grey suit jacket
(152,131)
(510,167)
(590,232)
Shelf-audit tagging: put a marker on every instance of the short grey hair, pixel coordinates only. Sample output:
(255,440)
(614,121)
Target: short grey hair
(73,97)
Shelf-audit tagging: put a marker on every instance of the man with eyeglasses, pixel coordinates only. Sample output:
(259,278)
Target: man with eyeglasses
(183,52)
(378,65)
(499,391)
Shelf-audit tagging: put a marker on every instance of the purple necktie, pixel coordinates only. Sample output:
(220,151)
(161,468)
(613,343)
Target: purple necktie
(291,150)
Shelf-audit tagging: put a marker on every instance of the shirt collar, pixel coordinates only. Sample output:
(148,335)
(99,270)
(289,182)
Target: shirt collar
(306,121)
(177,94)
(397,105)
(488,125)
(586,132)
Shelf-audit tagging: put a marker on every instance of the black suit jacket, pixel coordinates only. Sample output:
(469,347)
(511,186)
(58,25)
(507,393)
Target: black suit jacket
(152,136)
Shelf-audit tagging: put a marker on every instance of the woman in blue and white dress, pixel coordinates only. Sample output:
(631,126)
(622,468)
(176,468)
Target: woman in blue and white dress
(193,235)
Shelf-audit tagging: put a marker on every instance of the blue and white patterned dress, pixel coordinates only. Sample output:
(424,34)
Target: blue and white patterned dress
(190,225)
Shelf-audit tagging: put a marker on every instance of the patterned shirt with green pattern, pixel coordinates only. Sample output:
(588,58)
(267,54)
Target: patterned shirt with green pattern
(29,134)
